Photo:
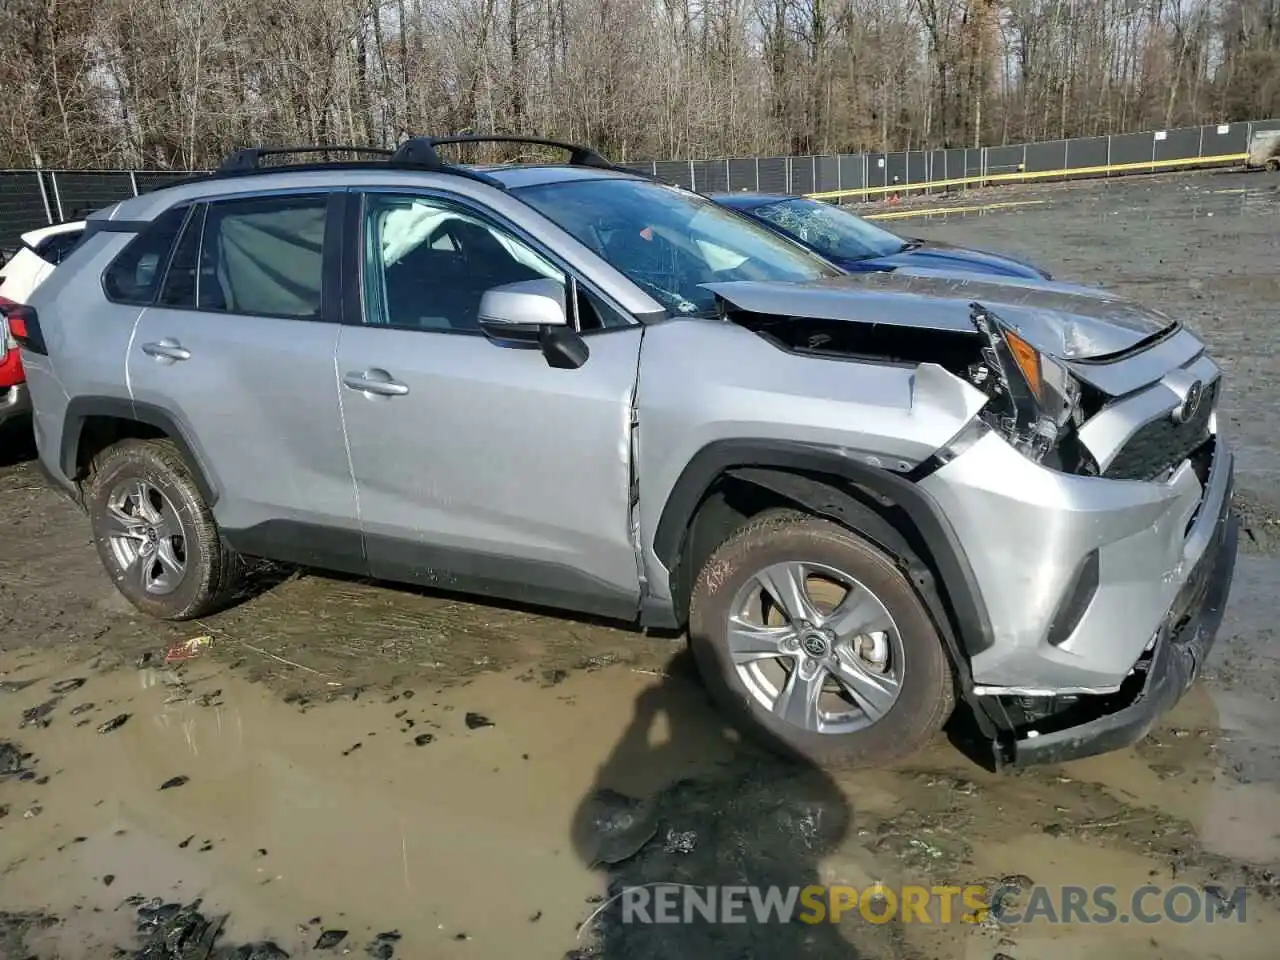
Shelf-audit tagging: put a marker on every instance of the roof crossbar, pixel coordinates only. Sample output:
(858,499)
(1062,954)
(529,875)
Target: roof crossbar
(242,161)
(416,153)
(422,150)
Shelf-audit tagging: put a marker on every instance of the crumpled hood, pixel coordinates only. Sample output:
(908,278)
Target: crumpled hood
(1065,321)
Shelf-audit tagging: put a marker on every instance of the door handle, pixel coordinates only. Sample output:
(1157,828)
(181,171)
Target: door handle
(166,349)
(377,382)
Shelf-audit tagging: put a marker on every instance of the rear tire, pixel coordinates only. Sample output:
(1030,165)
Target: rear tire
(155,534)
(880,681)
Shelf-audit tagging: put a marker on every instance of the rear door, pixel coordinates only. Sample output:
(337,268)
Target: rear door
(479,466)
(239,348)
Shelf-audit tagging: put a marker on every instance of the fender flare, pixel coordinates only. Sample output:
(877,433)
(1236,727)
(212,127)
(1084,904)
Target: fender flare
(80,409)
(939,556)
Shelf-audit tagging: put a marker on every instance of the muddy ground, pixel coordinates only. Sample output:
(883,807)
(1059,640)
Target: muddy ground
(422,775)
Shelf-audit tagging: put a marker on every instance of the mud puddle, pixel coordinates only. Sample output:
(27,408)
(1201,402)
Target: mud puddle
(446,818)
(495,818)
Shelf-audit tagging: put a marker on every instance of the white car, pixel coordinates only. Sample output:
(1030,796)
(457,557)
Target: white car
(41,251)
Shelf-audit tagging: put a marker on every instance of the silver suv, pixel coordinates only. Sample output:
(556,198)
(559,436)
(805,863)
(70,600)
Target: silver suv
(865,498)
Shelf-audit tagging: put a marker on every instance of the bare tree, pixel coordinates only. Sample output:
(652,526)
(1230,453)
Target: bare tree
(178,83)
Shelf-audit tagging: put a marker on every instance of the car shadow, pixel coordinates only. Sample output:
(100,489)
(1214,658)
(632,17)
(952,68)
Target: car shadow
(657,821)
(17,443)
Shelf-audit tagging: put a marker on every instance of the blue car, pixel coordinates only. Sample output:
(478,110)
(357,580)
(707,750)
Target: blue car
(859,246)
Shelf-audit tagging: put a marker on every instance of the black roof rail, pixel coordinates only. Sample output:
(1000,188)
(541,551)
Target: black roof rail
(416,153)
(248,160)
(250,157)
(422,150)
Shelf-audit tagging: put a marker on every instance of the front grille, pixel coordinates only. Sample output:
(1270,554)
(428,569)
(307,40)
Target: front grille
(1162,444)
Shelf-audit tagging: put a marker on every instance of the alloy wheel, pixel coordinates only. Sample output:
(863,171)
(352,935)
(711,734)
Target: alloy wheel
(815,647)
(146,536)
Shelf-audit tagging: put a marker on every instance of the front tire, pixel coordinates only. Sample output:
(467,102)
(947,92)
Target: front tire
(155,534)
(815,643)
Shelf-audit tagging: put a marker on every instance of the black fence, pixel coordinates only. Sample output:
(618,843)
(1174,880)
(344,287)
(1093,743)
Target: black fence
(30,198)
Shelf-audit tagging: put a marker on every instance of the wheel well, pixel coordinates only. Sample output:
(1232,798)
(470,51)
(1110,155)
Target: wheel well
(740,493)
(93,424)
(97,433)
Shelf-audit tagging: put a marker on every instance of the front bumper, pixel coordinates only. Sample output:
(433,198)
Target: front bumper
(15,402)
(1030,532)
(1181,646)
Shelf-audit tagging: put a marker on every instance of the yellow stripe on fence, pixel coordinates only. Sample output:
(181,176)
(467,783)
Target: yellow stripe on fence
(1022,176)
(904,214)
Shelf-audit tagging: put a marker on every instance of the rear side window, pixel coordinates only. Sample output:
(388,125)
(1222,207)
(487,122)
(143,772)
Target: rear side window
(134,275)
(263,256)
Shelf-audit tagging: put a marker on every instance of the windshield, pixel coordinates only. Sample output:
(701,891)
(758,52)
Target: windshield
(831,231)
(670,241)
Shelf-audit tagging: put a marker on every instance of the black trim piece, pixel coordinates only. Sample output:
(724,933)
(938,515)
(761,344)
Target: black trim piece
(33,340)
(506,578)
(842,507)
(103,225)
(423,149)
(81,409)
(193,211)
(1075,602)
(248,159)
(306,544)
(331,254)
(443,568)
(958,586)
(341,166)
(351,308)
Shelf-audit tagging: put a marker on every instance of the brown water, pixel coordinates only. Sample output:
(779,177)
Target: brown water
(329,810)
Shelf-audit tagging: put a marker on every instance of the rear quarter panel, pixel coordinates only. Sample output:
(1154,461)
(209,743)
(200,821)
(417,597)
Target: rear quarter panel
(87,338)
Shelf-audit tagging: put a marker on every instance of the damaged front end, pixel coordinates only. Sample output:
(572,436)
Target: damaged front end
(1103,597)
(1034,401)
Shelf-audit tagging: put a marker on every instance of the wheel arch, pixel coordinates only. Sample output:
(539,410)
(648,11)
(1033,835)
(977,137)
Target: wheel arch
(887,508)
(91,424)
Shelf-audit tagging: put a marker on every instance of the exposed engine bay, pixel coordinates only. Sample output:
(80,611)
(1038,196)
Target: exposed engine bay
(1034,401)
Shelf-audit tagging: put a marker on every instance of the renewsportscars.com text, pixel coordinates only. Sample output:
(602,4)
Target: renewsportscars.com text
(673,903)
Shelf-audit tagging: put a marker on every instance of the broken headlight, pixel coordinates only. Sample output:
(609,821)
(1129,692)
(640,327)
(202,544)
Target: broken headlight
(1035,401)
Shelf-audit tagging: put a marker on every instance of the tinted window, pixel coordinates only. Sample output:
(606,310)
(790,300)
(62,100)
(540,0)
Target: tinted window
(671,241)
(829,230)
(263,256)
(134,275)
(428,262)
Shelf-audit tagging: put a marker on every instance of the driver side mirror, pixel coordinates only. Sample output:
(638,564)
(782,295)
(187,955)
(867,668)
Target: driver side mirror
(532,313)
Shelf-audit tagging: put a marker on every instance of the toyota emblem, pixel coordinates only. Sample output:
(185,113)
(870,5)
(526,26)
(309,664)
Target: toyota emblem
(1190,402)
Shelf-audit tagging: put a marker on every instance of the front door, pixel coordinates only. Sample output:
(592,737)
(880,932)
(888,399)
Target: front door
(239,347)
(479,467)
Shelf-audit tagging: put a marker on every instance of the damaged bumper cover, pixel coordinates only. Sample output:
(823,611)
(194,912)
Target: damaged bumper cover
(1159,680)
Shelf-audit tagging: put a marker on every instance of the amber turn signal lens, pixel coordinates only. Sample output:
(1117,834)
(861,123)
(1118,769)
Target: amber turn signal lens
(1027,358)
